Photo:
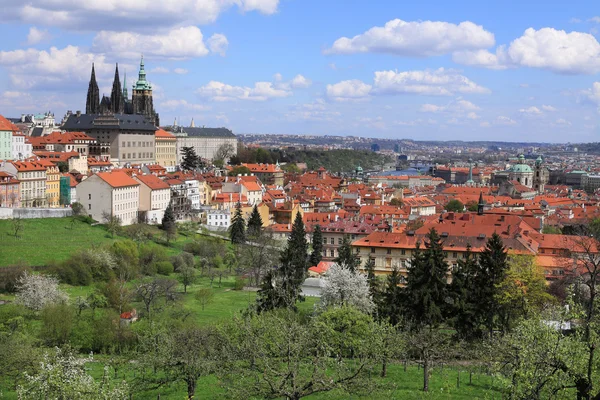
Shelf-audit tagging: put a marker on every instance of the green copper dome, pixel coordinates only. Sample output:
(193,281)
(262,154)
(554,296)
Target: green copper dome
(521,168)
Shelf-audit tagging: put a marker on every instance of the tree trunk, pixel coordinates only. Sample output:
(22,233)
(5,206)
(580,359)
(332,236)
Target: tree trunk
(425,374)
(191,388)
(384,367)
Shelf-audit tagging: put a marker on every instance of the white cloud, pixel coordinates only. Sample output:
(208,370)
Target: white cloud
(348,90)
(472,115)
(548,108)
(416,122)
(440,82)
(36,35)
(261,91)
(159,70)
(575,20)
(502,120)
(485,124)
(52,69)
(531,111)
(178,43)
(562,122)
(180,71)
(300,82)
(129,15)
(315,111)
(595,20)
(218,44)
(546,48)
(593,94)
(524,85)
(183,104)
(416,38)
(459,105)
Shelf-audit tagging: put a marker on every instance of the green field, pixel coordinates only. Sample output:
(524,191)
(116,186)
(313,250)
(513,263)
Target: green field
(47,239)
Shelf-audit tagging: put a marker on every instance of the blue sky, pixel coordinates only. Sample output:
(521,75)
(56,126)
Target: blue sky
(515,71)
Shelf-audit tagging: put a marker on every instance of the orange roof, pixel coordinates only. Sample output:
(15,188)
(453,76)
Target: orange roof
(117,179)
(153,182)
(161,134)
(262,168)
(26,166)
(6,125)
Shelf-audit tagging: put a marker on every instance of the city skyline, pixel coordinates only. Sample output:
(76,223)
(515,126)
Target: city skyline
(501,71)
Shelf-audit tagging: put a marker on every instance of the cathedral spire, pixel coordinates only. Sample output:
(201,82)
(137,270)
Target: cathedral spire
(125,94)
(480,204)
(92,104)
(116,97)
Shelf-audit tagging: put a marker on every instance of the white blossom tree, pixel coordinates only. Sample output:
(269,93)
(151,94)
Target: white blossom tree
(63,375)
(343,286)
(36,291)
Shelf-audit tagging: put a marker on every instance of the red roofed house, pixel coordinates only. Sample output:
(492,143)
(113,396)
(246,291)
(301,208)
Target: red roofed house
(113,193)
(155,195)
(129,317)
(166,149)
(269,174)
(9,191)
(32,178)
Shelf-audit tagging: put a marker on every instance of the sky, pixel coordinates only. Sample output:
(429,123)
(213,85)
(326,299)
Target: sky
(427,70)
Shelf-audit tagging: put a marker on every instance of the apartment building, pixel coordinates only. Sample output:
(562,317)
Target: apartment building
(155,196)
(166,149)
(32,178)
(114,193)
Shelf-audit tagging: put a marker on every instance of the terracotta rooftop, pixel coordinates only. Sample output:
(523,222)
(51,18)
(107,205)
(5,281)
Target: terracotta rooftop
(153,182)
(117,179)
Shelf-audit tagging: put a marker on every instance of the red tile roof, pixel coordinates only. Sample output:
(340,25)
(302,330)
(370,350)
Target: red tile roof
(161,134)
(117,179)
(153,182)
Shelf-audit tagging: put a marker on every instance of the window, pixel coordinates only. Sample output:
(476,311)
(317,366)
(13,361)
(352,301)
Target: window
(89,196)
(89,206)
(403,252)
(372,249)
(332,253)
(389,251)
(340,241)
(454,255)
(332,241)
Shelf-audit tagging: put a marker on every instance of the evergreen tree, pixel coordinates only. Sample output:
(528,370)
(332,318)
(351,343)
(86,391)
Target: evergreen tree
(493,265)
(426,286)
(464,295)
(345,256)
(270,295)
(168,223)
(390,307)
(254,222)
(294,262)
(317,245)
(190,160)
(237,229)
(371,278)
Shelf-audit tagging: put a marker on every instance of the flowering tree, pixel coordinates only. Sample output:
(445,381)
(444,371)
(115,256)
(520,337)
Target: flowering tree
(62,375)
(36,291)
(344,286)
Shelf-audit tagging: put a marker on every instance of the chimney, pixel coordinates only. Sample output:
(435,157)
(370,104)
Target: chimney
(79,113)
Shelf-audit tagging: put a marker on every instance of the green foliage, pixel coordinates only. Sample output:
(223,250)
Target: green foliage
(57,323)
(396,201)
(493,264)
(255,223)
(317,246)
(164,268)
(237,229)
(346,257)
(190,160)
(390,307)
(168,223)
(78,209)
(465,297)
(550,229)
(426,284)
(239,170)
(204,296)
(455,205)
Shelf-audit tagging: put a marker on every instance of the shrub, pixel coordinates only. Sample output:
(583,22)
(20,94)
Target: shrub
(239,283)
(164,268)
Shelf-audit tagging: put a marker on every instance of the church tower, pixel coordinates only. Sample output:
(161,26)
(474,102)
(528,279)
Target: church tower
(541,176)
(141,96)
(117,103)
(92,104)
(480,204)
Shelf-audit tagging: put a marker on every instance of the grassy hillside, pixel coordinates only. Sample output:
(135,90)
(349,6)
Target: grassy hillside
(47,239)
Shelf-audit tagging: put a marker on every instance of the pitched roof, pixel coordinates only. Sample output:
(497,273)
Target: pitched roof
(153,182)
(6,125)
(164,135)
(113,121)
(117,179)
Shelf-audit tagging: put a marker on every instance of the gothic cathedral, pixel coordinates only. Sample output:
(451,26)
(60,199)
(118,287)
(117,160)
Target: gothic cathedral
(119,102)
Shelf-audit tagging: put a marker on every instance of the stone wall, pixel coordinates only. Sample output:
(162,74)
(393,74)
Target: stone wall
(27,213)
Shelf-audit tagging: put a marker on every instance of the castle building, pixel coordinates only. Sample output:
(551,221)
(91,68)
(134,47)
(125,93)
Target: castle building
(141,102)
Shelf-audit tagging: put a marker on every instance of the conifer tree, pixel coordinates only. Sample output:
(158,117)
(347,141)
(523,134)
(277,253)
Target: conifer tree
(317,245)
(270,295)
(493,265)
(294,261)
(371,278)
(168,222)
(237,229)
(390,307)
(345,256)
(465,297)
(426,286)
(190,160)
(254,222)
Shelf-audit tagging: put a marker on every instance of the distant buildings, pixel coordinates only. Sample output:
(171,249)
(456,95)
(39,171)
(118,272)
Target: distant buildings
(205,141)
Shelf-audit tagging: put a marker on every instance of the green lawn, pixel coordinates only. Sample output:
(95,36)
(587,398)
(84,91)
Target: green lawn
(46,239)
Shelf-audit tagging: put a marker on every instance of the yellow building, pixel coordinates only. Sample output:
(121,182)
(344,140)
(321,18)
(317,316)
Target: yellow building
(166,149)
(52,182)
